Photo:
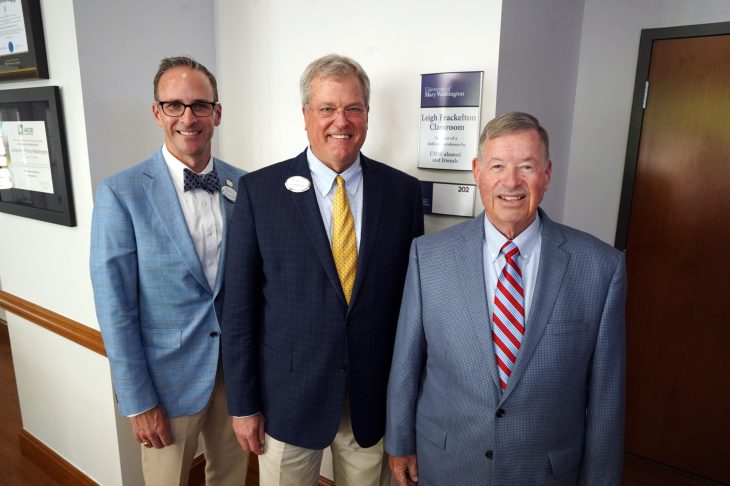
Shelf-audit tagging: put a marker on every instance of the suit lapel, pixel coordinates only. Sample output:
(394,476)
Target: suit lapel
(226,212)
(469,257)
(372,201)
(551,270)
(306,204)
(163,199)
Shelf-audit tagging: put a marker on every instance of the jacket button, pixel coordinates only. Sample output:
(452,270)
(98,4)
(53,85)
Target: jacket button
(214,334)
(342,368)
(489,454)
(500,413)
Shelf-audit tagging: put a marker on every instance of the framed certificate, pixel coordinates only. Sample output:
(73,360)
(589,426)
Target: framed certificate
(449,119)
(34,175)
(22,45)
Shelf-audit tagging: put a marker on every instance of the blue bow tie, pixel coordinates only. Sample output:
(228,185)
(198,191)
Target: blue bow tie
(208,182)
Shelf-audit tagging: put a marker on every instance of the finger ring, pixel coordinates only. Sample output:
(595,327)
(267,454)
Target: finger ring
(145,443)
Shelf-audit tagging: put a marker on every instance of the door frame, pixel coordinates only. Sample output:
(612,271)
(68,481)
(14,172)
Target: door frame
(648,36)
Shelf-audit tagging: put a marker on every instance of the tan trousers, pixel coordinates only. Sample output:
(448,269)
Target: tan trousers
(225,462)
(283,464)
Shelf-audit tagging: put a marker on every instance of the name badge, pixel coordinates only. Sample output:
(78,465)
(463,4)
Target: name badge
(297,184)
(229,193)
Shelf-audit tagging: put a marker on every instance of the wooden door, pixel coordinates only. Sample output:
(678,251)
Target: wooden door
(678,261)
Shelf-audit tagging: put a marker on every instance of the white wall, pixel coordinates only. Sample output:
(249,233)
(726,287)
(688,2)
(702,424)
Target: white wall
(263,47)
(608,55)
(64,390)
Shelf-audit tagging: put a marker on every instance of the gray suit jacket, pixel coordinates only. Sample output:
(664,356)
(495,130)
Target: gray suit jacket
(561,418)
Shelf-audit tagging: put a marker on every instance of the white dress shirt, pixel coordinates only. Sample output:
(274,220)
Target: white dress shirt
(202,213)
(325,187)
(528,242)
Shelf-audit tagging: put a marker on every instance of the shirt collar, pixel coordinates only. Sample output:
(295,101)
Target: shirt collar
(324,177)
(177,168)
(525,241)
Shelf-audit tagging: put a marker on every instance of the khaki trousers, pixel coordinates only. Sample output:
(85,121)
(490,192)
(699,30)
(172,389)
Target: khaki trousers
(283,464)
(225,462)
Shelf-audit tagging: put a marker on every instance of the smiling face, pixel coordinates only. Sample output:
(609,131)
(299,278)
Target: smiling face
(336,120)
(187,137)
(513,175)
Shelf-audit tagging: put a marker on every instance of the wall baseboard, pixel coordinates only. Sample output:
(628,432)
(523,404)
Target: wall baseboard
(56,466)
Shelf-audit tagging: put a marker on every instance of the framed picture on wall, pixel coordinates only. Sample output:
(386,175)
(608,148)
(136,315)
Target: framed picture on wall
(22,44)
(34,175)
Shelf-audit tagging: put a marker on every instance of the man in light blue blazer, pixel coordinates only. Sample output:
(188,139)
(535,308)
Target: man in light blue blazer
(509,364)
(157,240)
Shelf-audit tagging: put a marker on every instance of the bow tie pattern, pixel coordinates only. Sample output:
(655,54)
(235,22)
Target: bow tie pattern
(207,182)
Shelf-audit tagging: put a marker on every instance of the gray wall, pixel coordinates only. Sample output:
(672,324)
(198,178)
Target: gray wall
(538,71)
(120,47)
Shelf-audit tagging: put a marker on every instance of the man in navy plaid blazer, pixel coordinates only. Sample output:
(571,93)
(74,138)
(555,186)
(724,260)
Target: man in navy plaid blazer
(556,416)
(303,369)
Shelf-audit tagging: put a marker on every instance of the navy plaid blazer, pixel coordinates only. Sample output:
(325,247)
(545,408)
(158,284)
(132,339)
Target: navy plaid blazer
(292,348)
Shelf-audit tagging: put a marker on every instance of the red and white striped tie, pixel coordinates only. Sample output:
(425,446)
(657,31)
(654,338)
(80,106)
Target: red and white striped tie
(508,313)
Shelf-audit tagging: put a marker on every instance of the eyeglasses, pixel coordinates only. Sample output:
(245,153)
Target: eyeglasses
(350,112)
(177,108)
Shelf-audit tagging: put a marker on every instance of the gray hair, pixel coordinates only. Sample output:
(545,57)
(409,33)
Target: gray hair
(333,66)
(510,122)
(183,61)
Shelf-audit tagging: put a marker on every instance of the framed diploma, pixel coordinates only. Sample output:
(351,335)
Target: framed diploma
(22,45)
(34,175)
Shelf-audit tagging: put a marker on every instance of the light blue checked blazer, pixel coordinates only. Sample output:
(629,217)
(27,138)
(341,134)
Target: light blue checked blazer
(561,418)
(158,315)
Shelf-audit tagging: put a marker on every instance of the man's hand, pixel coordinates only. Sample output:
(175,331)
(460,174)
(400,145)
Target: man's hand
(250,432)
(152,428)
(405,469)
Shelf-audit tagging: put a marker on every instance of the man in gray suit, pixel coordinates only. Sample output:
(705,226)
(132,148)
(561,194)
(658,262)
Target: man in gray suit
(509,358)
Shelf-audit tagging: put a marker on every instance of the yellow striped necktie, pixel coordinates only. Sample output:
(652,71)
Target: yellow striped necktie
(344,246)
